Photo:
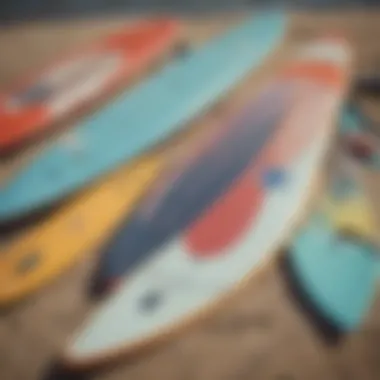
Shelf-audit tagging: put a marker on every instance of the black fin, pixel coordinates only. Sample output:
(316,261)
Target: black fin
(325,327)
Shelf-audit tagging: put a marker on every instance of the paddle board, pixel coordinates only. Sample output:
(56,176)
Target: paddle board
(32,105)
(176,199)
(79,227)
(246,199)
(141,234)
(143,116)
(334,259)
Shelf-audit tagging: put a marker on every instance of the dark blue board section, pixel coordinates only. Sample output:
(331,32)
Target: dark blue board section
(199,185)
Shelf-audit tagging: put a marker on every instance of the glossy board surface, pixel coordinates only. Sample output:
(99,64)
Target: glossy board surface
(143,117)
(274,167)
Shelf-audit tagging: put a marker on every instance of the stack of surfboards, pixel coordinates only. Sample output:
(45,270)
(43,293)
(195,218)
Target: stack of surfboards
(332,264)
(110,142)
(184,216)
(215,217)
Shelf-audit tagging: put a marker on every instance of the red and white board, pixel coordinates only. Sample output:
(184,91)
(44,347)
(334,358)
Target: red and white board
(34,103)
(272,156)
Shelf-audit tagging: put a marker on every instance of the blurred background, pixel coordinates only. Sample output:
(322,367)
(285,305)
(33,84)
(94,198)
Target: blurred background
(262,334)
(12,11)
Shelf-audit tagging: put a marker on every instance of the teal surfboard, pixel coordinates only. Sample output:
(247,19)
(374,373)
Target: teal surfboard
(358,134)
(142,117)
(333,263)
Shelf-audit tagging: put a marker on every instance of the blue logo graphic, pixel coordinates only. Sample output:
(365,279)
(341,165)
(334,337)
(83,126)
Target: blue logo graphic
(274,177)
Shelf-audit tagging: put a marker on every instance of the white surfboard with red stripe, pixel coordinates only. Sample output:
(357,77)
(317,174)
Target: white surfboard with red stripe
(229,239)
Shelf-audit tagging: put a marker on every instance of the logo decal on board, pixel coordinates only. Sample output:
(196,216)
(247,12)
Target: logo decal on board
(150,301)
(273,178)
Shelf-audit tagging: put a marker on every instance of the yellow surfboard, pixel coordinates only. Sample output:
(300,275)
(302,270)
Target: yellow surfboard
(353,215)
(48,249)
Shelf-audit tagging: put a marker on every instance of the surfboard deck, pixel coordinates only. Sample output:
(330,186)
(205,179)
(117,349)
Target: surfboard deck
(141,237)
(37,257)
(143,117)
(333,261)
(224,246)
(43,98)
(175,197)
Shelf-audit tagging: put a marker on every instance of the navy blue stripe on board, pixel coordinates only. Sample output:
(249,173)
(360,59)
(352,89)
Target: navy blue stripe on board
(197,188)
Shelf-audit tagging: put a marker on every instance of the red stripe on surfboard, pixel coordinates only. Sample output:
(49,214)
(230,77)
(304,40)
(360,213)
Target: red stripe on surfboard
(324,73)
(227,220)
(231,216)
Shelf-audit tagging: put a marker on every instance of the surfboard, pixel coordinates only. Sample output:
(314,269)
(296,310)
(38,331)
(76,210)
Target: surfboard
(79,227)
(361,138)
(334,259)
(269,158)
(43,98)
(185,188)
(139,234)
(142,117)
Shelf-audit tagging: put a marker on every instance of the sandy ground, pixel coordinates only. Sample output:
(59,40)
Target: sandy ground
(261,334)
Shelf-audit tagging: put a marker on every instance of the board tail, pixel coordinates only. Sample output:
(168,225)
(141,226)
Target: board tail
(331,267)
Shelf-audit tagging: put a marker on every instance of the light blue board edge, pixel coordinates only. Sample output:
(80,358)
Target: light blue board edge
(144,116)
(338,276)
